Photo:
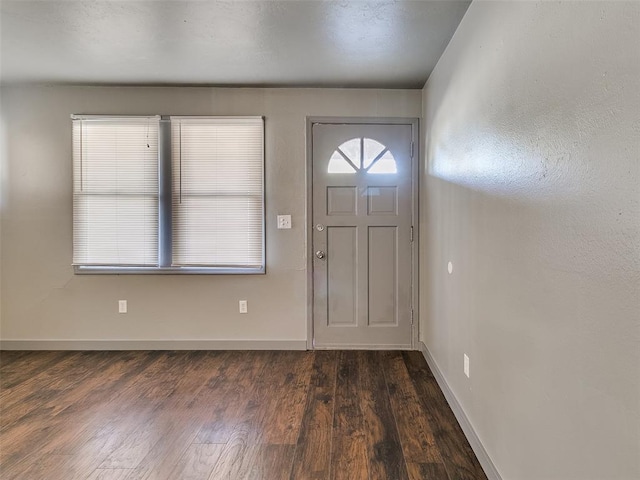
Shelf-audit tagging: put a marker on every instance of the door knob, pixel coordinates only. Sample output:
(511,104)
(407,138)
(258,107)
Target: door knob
(320,254)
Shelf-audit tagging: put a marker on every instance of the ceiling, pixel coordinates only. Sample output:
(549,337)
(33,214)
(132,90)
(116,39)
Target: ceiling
(386,44)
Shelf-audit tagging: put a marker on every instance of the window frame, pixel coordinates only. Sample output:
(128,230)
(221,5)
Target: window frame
(359,167)
(165,184)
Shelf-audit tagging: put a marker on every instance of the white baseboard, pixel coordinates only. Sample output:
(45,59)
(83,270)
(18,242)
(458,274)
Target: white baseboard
(483,457)
(153,344)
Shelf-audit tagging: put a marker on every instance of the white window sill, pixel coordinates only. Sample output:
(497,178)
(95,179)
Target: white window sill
(103,270)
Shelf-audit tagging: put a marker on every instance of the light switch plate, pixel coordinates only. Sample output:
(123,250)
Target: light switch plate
(242,306)
(284,221)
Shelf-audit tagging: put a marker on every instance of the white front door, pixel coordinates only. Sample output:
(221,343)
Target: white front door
(362,235)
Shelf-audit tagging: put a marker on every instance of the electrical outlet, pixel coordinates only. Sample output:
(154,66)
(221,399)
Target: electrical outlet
(450,268)
(242,306)
(122,306)
(284,221)
(466,365)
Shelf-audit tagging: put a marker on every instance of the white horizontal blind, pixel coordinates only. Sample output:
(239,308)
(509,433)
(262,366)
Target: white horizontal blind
(217,204)
(115,191)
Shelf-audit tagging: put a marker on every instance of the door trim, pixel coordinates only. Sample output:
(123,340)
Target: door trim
(415,193)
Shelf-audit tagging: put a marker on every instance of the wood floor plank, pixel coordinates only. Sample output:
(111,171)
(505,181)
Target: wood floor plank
(24,365)
(427,471)
(320,415)
(183,419)
(137,445)
(312,459)
(155,387)
(237,457)
(161,459)
(46,467)
(262,399)
(49,397)
(197,462)
(219,397)
(272,462)
(109,474)
(385,454)
(30,432)
(286,392)
(9,356)
(251,437)
(105,383)
(349,452)
(68,432)
(17,452)
(30,386)
(457,455)
(233,395)
(161,380)
(201,370)
(419,445)
(81,427)
(92,431)
(91,454)
(74,389)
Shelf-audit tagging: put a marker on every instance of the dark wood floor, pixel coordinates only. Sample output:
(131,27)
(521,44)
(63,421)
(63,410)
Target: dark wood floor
(227,415)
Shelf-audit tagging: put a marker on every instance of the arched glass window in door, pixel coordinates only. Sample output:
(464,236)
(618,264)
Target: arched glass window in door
(363,154)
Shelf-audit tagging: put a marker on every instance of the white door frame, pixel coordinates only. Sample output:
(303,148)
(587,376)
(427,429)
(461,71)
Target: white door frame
(415,182)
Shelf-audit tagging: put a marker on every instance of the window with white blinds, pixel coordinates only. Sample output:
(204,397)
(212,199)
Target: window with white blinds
(168,194)
(115,191)
(217,194)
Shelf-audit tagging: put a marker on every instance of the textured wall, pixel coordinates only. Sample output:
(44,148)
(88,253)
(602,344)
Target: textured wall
(43,299)
(532,192)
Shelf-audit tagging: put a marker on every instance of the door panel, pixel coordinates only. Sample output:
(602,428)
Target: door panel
(342,276)
(382,201)
(383,276)
(342,201)
(362,215)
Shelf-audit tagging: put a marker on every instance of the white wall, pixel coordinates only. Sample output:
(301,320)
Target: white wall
(533,191)
(43,299)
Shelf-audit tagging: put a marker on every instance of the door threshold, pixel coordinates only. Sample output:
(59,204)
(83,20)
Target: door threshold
(362,347)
